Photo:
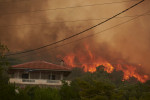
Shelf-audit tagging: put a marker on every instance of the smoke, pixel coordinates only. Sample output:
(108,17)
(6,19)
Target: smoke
(129,42)
(133,40)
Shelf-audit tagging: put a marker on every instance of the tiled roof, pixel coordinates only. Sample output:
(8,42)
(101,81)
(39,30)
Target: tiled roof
(43,65)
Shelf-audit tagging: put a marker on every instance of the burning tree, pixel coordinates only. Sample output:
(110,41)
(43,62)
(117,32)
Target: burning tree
(88,60)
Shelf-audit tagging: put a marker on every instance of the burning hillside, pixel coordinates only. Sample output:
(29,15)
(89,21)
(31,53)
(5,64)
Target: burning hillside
(128,44)
(89,61)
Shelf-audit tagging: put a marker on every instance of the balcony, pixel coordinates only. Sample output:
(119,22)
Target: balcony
(36,81)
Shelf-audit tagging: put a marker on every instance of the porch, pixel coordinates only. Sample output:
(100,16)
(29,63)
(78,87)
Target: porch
(36,81)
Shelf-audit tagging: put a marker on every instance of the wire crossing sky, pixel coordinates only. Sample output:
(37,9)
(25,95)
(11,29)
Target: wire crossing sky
(79,32)
(71,7)
(68,21)
(91,35)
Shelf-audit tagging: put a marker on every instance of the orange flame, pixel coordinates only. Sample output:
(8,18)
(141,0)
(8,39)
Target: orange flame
(89,62)
(131,71)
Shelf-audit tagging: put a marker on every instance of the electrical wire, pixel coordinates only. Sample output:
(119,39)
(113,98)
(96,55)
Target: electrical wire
(13,1)
(77,33)
(78,40)
(66,21)
(71,7)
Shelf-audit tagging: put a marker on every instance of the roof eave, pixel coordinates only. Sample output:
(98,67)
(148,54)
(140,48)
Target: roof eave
(44,69)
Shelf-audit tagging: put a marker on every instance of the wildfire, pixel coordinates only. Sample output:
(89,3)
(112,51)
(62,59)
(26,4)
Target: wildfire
(89,62)
(131,71)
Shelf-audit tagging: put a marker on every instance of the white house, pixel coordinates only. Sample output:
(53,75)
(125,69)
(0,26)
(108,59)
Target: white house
(38,73)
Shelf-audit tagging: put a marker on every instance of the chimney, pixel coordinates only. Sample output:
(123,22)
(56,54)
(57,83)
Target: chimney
(62,63)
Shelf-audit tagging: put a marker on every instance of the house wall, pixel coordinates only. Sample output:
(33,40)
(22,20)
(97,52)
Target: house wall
(49,75)
(16,74)
(35,75)
(36,81)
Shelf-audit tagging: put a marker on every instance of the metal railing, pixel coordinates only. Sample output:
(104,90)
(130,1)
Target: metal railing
(35,81)
(53,81)
(28,80)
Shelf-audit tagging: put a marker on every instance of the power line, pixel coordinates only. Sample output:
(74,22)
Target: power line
(71,7)
(66,21)
(77,40)
(77,33)
(13,1)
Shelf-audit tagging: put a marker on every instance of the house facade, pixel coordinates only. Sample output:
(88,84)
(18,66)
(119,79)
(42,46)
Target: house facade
(38,73)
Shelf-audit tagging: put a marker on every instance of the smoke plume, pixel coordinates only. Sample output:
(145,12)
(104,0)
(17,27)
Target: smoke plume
(29,24)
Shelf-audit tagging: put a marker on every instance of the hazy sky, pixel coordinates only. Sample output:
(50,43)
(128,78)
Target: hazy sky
(21,27)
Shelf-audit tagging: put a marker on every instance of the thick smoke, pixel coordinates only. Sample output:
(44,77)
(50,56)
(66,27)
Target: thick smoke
(129,42)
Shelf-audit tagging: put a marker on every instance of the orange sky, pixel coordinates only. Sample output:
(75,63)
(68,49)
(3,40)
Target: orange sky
(131,40)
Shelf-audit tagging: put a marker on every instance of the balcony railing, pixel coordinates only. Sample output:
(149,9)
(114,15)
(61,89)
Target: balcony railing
(28,80)
(35,81)
(53,81)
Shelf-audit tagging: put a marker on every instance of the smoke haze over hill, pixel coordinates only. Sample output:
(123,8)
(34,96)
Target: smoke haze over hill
(129,42)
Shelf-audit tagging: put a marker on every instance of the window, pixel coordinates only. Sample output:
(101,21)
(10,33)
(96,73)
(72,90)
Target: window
(52,77)
(25,76)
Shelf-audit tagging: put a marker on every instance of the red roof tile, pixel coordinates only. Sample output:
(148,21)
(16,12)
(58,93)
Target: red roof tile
(40,65)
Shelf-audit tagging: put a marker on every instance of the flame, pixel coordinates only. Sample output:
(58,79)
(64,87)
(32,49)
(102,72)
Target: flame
(89,62)
(70,60)
(131,71)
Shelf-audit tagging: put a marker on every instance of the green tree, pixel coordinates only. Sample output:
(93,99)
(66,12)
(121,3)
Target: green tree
(5,89)
(75,73)
(70,91)
(3,65)
(96,90)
